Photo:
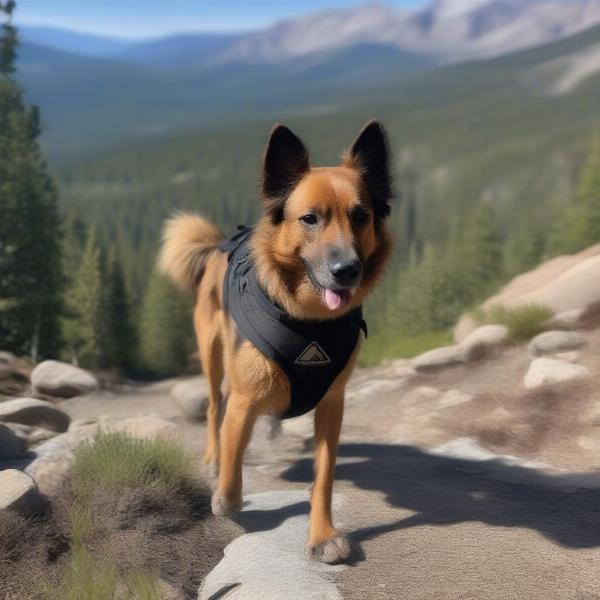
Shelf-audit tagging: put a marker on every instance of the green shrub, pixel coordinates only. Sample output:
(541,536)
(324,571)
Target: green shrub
(119,461)
(523,322)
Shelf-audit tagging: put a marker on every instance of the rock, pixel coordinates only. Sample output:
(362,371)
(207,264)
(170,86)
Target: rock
(555,341)
(30,411)
(573,356)
(563,285)
(19,493)
(568,319)
(241,573)
(12,444)
(440,358)
(543,371)
(191,397)
(484,337)
(7,358)
(39,435)
(61,379)
(144,427)
(453,397)
(55,456)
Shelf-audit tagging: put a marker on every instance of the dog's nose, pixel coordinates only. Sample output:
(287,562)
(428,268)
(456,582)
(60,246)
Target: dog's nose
(346,273)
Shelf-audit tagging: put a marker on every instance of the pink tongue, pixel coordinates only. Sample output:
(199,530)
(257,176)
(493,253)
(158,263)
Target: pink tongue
(333,300)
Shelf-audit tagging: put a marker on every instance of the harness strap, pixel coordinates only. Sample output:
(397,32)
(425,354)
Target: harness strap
(311,353)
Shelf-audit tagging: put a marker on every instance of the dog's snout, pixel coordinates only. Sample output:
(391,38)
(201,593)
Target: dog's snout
(346,272)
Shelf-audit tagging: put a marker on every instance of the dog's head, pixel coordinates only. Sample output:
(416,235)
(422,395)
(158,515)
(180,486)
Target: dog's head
(322,242)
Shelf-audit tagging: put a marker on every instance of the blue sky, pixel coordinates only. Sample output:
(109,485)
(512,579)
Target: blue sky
(144,18)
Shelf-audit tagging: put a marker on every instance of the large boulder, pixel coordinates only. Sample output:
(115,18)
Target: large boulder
(484,338)
(565,283)
(61,379)
(12,443)
(19,493)
(440,358)
(191,397)
(545,371)
(550,342)
(30,411)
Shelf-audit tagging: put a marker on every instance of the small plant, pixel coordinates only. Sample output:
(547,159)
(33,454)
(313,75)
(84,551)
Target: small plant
(523,322)
(118,461)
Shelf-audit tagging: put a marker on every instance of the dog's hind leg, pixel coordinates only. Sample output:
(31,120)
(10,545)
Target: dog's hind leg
(236,430)
(324,543)
(211,355)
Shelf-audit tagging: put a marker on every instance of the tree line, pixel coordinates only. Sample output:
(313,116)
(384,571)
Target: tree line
(77,277)
(62,289)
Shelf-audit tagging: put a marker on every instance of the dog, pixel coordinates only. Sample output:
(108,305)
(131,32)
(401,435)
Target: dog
(318,250)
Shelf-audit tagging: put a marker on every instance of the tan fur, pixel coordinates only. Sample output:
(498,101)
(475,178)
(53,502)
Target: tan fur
(187,241)
(256,385)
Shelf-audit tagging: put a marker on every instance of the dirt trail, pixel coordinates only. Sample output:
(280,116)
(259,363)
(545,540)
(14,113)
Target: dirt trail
(426,524)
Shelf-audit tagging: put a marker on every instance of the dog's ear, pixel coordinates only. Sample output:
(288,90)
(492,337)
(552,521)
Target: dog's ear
(285,163)
(370,156)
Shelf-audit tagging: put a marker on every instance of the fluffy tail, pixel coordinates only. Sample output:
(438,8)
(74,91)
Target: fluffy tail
(188,240)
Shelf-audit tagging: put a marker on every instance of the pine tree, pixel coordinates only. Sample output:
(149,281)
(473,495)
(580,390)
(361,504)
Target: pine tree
(579,225)
(121,333)
(29,229)
(84,306)
(166,335)
(475,257)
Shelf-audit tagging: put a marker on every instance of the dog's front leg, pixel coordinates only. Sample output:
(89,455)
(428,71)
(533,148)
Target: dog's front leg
(325,544)
(236,430)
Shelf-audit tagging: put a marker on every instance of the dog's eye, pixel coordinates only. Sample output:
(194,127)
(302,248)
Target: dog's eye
(309,219)
(360,216)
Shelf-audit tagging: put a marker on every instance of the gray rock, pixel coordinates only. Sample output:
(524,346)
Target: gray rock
(544,371)
(19,493)
(191,397)
(569,319)
(484,337)
(12,443)
(440,357)
(7,358)
(148,427)
(289,575)
(555,341)
(61,379)
(30,411)
(55,456)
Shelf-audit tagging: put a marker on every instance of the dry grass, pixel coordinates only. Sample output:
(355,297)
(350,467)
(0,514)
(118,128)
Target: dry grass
(118,461)
(111,534)
(523,322)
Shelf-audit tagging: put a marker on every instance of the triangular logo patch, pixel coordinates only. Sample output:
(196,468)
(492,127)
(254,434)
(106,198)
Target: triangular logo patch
(312,356)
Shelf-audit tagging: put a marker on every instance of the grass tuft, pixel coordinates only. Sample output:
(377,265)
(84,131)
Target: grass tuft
(118,461)
(523,322)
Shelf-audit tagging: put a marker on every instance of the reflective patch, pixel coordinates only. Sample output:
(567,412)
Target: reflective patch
(313,356)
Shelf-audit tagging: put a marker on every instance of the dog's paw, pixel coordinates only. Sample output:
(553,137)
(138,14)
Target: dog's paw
(331,552)
(222,506)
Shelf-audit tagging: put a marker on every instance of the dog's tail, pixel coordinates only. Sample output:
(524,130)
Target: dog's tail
(188,240)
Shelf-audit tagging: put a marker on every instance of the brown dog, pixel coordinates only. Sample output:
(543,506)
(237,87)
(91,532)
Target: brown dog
(318,250)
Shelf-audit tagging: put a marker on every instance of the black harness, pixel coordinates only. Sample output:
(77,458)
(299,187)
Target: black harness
(311,353)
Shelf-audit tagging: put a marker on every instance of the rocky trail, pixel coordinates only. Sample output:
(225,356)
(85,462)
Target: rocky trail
(468,472)
(453,483)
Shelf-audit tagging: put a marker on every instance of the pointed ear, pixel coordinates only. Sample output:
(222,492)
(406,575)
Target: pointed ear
(370,156)
(285,163)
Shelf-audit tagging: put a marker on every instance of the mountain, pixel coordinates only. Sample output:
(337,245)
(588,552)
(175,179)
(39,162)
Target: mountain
(449,30)
(182,50)
(493,131)
(66,40)
(317,64)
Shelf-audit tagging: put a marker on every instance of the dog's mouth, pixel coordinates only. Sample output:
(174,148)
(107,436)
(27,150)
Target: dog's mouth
(336,299)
